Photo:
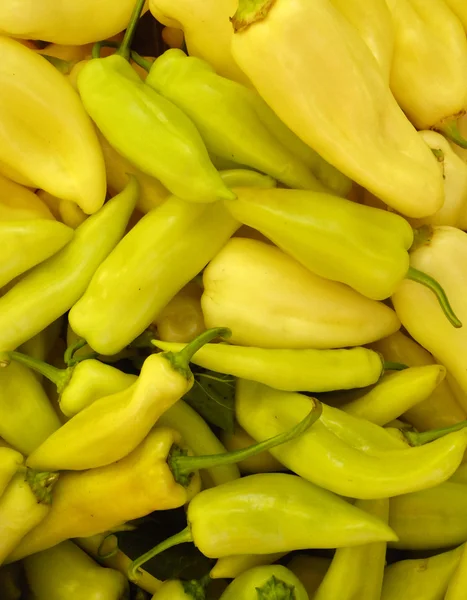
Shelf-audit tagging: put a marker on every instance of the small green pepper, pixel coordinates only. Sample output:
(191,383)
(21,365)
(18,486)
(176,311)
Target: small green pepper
(266,583)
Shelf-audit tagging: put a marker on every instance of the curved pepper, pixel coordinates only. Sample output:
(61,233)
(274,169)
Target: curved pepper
(28,243)
(226,116)
(357,572)
(266,582)
(10,461)
(441,408)
(337,239)
(50,289)
(269,300)
(18,203)
(181,320)
(432,518)
(157,137)
(443,255)
(351,457)
(270,512)
(23,506)
(420,578)
(263,463)
(396,393)
(69,163)
(302,78)
(458,582)
(229,567)
(66,570)
(310,570)
(429,61)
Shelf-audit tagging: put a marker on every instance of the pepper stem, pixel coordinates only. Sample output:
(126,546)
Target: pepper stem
(451,131)
(182,466)
(276,589)
(418,439)
(435,287)
(63,66)
(124,49)
(249,12)
(71,350)
(59,377)
(180,361)
(183,537)
(41,484)
(139,60)
(394,366)
(421,236)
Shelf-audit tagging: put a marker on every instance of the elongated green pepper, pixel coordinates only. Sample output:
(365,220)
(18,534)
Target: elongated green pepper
(293,370)
(262,583)
(10,461)
(351,456)
(152,133)
(51,288)
(364,247)
(271,512)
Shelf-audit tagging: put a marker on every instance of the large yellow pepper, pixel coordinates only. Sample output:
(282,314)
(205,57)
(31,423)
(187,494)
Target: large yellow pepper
(459,8)
(36,98)
(303,77)
(18,203)
(458,583)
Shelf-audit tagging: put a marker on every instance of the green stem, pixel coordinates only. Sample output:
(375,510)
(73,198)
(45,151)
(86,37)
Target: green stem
(183,466)
(142,62)
(438,153)
(435,287)
(421,236)
(41,484)
(64,66)
(249,12)
(70,351)
(124,49)
(451,131)
(183,537)
(276,589)
(59,377)
(418,439)
(394,366)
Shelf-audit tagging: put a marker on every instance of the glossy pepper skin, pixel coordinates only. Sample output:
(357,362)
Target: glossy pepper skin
(53,287)
(28,243)
(441,408)
(227,117)
(36,95)
(66,571)
(10,461)
(230,567)
(459,8)
(292,370)
(430,58)
(89,502)
(442,256)
(351,457)
(269,300)
(357,572)
(18,203)
(266,582)
(301,80)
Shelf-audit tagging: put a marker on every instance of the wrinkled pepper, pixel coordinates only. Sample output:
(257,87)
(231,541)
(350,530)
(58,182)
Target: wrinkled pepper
(292,370)
(51,288)
(157,137)
(351,456)
(441,408)
(420,578)
(66,571)
(443,256)
(310,570)
(266,582)
(69,163)
(229,567)
(429,61)
(357,572)
(24,505)
(228,117)
(337,239)
(10,461)
(181,320)
(396,393)
(27,243)
(18,203)
(26,415)
(301,78)
(270,512)
(288,306)
(263,463)
(458,582)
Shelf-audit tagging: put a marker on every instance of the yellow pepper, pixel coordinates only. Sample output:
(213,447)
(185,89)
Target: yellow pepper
(458,583)
(301,77)
(182,318)
(69,164)
(64,210)
(18,203)
(310,570)
(269,300)
(10,461)
(229,567)
(459,8)
(441,408)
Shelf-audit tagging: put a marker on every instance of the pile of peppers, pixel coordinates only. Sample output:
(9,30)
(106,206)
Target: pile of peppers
(233,317)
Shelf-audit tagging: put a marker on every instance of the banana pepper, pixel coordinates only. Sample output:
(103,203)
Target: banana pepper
(263,463)
(181,590)
(18,203)
(457,583)
(10,461)
(459,8)
(269,300)
(51,288)
(229,567)
(69,163)
(301,77)
(181,320)
(266,582)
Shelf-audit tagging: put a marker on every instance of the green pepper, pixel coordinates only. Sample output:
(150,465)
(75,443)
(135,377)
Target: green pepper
(51,288)
(293,370)
(181,590)
(364,247)
(226,116)
(26,416)
(28,243)
(146,128)
(266,583)
(65,571)
(10,461)
(351,456)
(270,512)
(357,572)
(269,300)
